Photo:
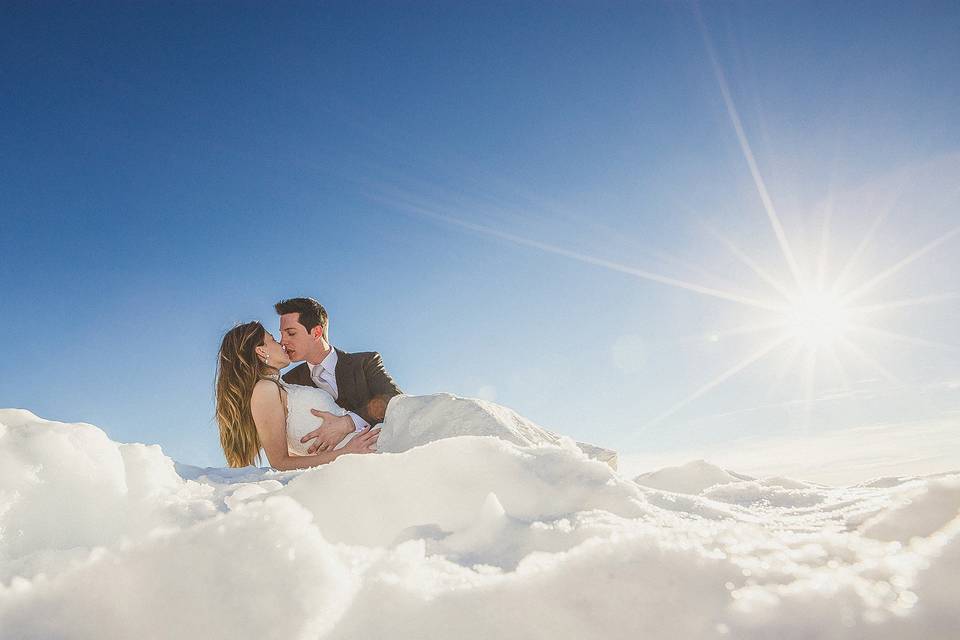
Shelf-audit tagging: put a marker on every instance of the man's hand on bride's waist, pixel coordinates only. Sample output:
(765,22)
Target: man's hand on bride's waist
(330,433)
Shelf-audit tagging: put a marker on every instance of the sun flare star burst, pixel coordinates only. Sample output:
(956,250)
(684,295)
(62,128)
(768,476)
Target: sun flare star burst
(813,324)
(821,321)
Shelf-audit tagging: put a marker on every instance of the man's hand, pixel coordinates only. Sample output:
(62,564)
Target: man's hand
(330,433)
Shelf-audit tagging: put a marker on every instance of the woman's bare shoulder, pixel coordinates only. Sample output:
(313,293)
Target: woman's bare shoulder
(266,391)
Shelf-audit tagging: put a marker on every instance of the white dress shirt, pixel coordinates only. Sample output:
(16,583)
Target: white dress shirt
(324,375)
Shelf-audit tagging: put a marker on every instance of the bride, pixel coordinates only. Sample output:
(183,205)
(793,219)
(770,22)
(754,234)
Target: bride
(255,409)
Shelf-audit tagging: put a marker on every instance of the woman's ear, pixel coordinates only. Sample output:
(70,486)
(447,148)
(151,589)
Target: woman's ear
(261,351)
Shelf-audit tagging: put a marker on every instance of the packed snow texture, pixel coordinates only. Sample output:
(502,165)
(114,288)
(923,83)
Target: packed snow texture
(466,537)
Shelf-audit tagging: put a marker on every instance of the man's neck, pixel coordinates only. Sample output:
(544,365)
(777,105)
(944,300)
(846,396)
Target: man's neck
(320,358)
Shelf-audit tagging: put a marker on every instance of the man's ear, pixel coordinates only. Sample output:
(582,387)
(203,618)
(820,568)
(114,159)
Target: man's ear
(316,332)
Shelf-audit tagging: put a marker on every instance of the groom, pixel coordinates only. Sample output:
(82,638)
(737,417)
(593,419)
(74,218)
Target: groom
(357,381)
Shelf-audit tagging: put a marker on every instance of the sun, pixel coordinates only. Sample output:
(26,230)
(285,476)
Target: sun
(818,319)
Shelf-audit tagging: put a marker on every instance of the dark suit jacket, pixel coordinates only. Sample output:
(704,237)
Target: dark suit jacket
(363,385)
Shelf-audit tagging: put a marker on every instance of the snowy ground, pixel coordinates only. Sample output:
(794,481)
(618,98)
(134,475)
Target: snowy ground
(463,538)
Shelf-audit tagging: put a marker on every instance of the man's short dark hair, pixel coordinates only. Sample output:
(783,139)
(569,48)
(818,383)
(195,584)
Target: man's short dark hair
(311,312)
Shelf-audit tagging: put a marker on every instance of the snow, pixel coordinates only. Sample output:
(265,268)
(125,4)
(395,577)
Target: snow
(692,477)
(831,456)
(466,537)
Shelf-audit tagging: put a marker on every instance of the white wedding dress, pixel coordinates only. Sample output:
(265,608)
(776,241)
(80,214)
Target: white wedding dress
(300,422)
(412,421)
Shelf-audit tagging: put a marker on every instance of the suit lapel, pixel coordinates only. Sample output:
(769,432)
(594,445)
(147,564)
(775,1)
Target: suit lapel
(300,375)
(346,379)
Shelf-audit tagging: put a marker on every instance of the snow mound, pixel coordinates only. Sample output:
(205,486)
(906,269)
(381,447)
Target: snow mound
(468,537)
(692,477)
(786,483)
(759,493)
(919,511)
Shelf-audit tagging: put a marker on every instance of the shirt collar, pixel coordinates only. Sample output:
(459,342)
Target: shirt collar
(329,363)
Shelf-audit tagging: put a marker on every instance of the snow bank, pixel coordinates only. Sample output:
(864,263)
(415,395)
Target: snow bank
(692,477)
(920,510)
(468,537)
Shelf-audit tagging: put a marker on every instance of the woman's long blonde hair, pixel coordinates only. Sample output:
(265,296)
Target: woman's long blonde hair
(238,371)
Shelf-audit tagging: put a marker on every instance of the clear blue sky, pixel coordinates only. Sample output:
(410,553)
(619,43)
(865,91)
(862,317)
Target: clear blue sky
(467,190)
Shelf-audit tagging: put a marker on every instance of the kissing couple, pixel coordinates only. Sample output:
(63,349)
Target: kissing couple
(359,406)
(257,409)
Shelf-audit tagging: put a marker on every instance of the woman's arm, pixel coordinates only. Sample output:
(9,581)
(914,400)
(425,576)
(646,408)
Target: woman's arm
(271,421)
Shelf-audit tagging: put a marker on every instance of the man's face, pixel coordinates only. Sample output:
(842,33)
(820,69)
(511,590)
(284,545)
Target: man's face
(299,343)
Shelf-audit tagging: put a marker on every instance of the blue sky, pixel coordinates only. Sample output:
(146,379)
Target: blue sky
(472,191)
